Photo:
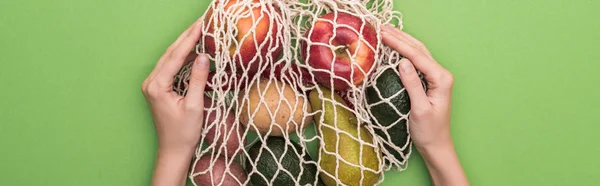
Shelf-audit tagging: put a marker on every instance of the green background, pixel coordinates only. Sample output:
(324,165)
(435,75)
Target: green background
(525,100)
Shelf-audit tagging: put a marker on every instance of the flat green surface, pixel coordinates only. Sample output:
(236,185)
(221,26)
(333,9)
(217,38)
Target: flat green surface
(525,102)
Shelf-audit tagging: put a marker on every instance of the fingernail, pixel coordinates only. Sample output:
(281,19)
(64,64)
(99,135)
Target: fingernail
(389,26)
(197,61)
(405,65)
(384,28)
(202,59)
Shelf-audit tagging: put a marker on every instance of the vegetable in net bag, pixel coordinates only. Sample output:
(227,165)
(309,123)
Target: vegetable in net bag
(303,93)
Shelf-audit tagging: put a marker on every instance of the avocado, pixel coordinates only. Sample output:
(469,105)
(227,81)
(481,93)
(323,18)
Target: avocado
(268,167)
(388,84)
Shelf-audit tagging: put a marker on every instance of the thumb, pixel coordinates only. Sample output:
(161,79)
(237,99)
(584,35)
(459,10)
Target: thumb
(412,83)
(199,75)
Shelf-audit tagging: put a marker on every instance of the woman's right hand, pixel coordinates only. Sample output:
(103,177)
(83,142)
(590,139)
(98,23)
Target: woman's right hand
(430,110)
(429,121)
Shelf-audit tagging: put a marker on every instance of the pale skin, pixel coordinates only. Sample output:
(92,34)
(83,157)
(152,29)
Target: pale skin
(178,119)
(430,111)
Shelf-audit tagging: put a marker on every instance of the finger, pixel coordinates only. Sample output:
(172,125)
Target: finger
(407,37)
(175,60)
(189,58)
(419,59)
(439,80)
(168,51)
(152,75)
(176,43)
(412,83)
(416,42)
(198,78)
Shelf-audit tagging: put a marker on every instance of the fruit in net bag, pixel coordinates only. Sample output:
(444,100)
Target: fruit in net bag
(337,125)
(247,29)
(345,49)
(392,127)
(274,108)
(268,54)
(216,171)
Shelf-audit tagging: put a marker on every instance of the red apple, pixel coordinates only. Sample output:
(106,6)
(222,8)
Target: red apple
(320,55)
(244,51)
(346,97)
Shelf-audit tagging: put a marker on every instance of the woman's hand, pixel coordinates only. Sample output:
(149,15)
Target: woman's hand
(429,121)
(178,120)
(430,111)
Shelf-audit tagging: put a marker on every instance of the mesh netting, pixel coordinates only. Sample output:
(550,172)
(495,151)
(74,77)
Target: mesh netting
(300,94)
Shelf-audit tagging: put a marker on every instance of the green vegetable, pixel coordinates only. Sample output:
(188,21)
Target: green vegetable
(268,166)
(388,83)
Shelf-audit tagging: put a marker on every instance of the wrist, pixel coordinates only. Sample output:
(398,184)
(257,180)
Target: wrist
(165,146)
(438,156)
(171,151)
(174,157)
(172,165)
(443,164)
(433,149)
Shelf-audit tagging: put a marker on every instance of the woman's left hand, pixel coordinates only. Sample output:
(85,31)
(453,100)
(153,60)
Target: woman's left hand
(178,120)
